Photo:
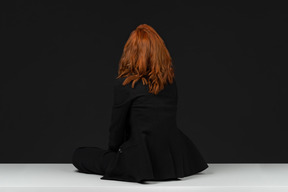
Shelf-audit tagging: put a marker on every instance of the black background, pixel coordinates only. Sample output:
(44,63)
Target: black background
(58,61)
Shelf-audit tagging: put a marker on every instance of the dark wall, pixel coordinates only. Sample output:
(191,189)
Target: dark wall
(58,62)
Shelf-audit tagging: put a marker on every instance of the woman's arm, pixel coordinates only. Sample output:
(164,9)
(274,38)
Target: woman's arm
(120,110)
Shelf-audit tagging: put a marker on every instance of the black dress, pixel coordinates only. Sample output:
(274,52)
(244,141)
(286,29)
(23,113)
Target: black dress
(144,140)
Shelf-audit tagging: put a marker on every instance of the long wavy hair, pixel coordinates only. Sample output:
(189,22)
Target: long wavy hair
(146,57)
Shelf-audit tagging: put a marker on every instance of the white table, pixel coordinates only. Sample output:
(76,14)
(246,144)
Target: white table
(218,177)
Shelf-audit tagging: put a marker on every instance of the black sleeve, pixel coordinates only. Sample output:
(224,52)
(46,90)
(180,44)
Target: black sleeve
(120,109)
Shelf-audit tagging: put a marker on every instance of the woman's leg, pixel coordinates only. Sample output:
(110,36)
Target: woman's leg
(92,160)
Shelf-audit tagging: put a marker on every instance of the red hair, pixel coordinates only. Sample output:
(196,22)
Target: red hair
(146,57)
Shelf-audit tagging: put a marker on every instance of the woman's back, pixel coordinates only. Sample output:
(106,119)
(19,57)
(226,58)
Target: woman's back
(152,148)
(153,114)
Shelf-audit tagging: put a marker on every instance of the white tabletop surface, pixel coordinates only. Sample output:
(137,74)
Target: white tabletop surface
(217,177)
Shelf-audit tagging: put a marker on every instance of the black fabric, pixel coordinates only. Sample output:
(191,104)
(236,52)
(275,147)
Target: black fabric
(144,138)
(92,160)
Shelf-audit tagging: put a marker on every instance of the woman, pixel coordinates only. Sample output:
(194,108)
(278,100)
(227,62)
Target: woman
(144,141)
